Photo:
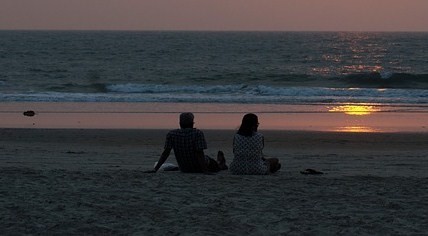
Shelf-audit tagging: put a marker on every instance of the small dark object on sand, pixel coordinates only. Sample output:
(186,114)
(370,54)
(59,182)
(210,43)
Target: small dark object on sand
(311,172)
(29,113)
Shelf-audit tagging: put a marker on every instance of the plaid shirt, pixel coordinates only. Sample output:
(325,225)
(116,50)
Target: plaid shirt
(185,143)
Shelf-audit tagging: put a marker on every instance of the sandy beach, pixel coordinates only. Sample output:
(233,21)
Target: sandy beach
(91,181)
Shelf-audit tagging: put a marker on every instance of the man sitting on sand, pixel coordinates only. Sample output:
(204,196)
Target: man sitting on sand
(189,144)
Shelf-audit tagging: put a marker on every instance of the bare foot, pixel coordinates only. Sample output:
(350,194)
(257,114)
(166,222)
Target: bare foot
(221,160)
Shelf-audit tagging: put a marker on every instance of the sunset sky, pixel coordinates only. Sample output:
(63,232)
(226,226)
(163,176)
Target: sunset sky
(281,15)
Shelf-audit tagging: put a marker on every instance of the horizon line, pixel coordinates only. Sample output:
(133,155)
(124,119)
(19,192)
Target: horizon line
(219,31)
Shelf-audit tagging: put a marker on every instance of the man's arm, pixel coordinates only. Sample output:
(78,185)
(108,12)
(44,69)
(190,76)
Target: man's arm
(202,162)
(162,159)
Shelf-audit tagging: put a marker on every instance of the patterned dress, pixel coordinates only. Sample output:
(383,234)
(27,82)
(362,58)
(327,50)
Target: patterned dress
(248,155)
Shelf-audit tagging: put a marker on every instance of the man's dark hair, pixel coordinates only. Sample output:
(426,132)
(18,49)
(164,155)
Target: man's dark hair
(186,120)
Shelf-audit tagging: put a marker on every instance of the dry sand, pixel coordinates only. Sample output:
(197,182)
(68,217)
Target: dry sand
(74,182)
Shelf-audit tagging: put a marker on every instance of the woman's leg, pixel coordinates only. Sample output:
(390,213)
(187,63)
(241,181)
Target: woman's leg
(274,164)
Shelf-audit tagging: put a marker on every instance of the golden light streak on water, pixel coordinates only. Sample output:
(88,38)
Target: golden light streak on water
(356,129)
(356,110)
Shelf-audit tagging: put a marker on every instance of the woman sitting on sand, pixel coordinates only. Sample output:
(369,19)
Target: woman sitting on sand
(247,149)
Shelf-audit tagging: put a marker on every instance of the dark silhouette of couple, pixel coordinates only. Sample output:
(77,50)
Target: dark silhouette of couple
(189,144)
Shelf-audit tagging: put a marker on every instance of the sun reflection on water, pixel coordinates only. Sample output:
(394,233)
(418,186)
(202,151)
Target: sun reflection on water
(356,125)
(356,129)
(356,110)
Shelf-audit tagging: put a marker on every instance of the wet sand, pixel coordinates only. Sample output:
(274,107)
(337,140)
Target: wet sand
(309,117)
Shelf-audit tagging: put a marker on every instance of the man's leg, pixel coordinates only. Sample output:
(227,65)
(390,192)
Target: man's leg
(216,166)
(221,160)
(212,165)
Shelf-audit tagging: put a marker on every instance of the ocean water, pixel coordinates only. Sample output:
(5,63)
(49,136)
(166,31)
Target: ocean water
(215,67)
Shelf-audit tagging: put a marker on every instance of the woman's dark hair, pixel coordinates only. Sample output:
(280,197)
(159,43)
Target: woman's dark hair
(249,125)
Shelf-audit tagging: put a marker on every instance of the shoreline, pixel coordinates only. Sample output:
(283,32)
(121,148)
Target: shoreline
(321,117)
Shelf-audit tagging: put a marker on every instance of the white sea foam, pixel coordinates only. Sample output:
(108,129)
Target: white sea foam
(230,94)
